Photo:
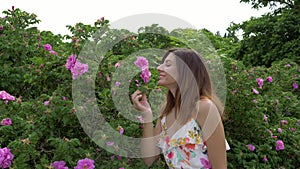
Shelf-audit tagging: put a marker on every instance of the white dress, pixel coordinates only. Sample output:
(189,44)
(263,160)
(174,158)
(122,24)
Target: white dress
(186,148)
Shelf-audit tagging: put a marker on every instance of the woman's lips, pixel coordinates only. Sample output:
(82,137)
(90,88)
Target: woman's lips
(161,75)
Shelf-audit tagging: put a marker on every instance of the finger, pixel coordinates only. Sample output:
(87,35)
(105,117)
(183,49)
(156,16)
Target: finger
(144,97)
(135,94)
(136,98)
(136,102)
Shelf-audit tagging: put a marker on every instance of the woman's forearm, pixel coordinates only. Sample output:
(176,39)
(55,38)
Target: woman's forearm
(149,149)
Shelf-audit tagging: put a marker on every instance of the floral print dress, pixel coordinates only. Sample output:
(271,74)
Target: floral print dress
(186,148)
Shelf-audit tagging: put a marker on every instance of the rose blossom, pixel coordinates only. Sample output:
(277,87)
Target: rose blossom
(118,64)
(265,159)
(110,143)
(59,165)
(46,103)
(260,82)
(117,84)
(255,91)
(269,79)
(295,85)
(283,122)
(251,147)
(48,47)
(79,69)
(85,164)
(145,75)
(6,122)
(279,145)
(6,96)
(5,157)
(53,52)
(141,62)
(71,62)
(121,129)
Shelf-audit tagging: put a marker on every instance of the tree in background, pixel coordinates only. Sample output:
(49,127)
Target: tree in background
(273,36)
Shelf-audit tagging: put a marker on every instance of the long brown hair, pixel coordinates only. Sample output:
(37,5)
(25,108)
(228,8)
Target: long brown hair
(194,84)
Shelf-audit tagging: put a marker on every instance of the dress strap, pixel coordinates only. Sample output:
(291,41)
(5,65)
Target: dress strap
(163,125)
(163,120)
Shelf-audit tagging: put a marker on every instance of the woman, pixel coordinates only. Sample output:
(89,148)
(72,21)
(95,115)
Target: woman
(189,131)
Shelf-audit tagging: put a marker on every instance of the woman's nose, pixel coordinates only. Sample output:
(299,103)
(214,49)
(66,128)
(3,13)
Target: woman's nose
(159,68)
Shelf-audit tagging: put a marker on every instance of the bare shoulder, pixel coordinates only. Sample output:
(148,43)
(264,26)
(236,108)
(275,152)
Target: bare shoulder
(205,105)
(204,108)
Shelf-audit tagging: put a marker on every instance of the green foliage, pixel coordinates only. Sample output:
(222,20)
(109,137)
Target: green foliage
(255,118)
(272,37)
(43,132)
(27,66)
(274,4)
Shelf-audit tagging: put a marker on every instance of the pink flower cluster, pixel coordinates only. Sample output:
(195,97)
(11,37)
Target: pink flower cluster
(111,143)
(6,96)
(142,63)
(5,157)
(49,48)
(260,83)
(77,68)
(81,164)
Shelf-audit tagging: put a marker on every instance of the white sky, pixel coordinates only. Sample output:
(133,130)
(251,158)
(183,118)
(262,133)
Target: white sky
(214,15)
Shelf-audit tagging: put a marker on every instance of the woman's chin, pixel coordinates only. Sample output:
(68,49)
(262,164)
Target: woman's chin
(160,83)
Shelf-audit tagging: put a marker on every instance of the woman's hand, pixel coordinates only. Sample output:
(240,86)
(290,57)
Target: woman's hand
(141,104)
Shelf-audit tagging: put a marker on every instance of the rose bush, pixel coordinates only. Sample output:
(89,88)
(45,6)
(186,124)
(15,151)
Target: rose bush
(262,114)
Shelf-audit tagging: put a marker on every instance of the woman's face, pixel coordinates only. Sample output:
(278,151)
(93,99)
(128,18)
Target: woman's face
(168,72)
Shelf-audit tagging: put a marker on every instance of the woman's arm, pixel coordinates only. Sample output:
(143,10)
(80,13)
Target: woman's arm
(150,152)
(211,124)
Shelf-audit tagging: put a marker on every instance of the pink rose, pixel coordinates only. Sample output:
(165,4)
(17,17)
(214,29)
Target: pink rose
(251,147)
(260,82)
(279,145)
(295,86)
(141,62)
(269,79)
(48,47)
(6,122)
(255,91)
